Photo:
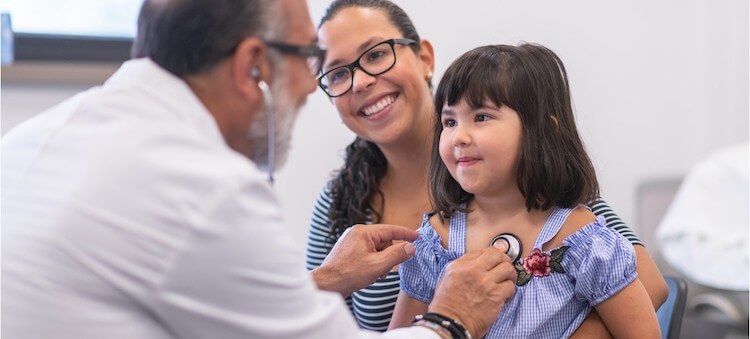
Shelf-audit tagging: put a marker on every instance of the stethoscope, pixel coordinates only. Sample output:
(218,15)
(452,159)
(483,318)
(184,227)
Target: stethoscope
(514,245)
(270,117)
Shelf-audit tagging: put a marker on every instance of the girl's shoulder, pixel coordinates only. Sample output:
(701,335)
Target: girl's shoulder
(578,218)
(441,227)
(431,253)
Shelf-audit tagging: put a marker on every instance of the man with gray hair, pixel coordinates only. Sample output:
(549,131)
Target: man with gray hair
(138,209)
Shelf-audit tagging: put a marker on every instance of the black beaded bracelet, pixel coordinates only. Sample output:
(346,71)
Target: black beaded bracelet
(456,329)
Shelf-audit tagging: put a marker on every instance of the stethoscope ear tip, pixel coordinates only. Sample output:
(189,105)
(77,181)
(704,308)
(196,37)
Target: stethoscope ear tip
(271,127)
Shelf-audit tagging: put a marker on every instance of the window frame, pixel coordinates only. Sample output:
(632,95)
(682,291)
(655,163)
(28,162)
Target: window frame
(70,48)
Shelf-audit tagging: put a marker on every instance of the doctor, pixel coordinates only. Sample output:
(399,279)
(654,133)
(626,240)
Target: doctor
(138,209)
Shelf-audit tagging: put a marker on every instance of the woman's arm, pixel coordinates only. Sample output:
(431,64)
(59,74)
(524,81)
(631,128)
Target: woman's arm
(319,242)
(630,313)
(650,277)
(592,327)
(406,309)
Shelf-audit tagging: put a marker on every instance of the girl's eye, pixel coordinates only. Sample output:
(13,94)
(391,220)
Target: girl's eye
(482,117)
(449,123)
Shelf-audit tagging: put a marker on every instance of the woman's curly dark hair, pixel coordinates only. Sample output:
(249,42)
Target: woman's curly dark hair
(355,186)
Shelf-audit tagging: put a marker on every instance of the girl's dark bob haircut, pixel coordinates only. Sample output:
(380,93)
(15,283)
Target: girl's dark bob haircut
(553,167)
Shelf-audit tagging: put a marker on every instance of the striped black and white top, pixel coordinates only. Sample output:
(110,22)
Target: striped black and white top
(373,305)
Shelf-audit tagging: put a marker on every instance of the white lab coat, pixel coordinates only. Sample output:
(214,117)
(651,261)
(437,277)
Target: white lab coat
(125,215)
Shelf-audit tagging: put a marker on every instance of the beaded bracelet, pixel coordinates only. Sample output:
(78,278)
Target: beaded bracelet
(440,330)
(456,329)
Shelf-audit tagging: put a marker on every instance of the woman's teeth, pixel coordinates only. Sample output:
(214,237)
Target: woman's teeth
(379,106)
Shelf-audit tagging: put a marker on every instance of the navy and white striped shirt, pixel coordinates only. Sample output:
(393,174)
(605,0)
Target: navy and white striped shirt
(373,306)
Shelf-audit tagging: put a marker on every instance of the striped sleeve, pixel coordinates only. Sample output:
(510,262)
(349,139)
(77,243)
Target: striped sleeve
(371,306)
(319,244)
(600,208)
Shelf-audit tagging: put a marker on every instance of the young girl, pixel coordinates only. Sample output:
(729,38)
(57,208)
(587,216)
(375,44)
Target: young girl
(507,158)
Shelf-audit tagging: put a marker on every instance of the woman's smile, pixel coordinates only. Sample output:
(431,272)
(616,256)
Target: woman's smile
(379,105)
(379,108)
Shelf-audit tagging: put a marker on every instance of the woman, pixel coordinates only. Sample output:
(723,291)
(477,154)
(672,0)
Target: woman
(378,73)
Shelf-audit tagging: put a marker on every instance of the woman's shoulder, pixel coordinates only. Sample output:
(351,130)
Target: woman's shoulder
(323,202)
(320,225)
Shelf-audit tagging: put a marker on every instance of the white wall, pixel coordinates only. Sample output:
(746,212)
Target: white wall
(656,85)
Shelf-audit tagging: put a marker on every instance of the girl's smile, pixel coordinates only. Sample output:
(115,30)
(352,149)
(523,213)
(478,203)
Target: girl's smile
(466,161)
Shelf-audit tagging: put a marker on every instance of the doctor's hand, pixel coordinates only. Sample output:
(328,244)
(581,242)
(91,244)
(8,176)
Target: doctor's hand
(474,288)
(361,255)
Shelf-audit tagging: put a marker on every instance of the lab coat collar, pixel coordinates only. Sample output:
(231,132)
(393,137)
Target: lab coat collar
(173,91)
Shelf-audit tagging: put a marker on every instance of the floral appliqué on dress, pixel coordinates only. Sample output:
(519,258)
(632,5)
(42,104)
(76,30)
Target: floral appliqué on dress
(539,264)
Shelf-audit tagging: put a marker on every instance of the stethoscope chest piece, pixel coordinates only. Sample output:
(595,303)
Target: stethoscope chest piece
(514,245)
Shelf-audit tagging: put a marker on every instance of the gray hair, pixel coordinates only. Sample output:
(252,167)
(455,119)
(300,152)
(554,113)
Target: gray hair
(188,37)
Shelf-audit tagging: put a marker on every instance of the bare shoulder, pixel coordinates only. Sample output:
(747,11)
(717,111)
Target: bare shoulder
(577,219)
(441,226)
(580,217)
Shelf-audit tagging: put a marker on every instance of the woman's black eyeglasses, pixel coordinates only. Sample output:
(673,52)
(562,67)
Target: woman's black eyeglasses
(376,60)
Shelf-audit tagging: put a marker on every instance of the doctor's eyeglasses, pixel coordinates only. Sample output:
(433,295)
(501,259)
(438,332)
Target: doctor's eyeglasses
(374,61)
(314,54)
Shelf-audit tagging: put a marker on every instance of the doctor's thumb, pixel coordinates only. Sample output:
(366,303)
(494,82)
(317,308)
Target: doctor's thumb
(397,253)
(502,246)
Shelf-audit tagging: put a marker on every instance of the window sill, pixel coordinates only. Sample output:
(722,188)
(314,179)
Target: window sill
(57,73)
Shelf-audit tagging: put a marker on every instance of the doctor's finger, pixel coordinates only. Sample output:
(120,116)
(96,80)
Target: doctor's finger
(491,257)
(505,271)
(383,233)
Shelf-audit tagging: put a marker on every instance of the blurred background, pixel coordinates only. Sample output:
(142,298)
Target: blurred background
(657,86)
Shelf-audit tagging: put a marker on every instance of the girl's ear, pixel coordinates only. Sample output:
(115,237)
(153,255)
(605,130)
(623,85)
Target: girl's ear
(427,55)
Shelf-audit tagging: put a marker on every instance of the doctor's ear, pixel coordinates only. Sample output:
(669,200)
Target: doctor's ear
(249,65)
(255,73)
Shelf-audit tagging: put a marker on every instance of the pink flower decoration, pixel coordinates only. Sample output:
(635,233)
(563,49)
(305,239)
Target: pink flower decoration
(537,263)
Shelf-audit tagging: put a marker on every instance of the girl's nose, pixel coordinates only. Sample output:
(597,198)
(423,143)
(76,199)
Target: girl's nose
(461,136)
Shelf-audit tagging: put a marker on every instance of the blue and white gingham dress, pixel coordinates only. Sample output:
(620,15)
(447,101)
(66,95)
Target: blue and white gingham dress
(599,263)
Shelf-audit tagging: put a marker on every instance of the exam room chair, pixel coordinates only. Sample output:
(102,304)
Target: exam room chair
(708,312)
(670,313)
